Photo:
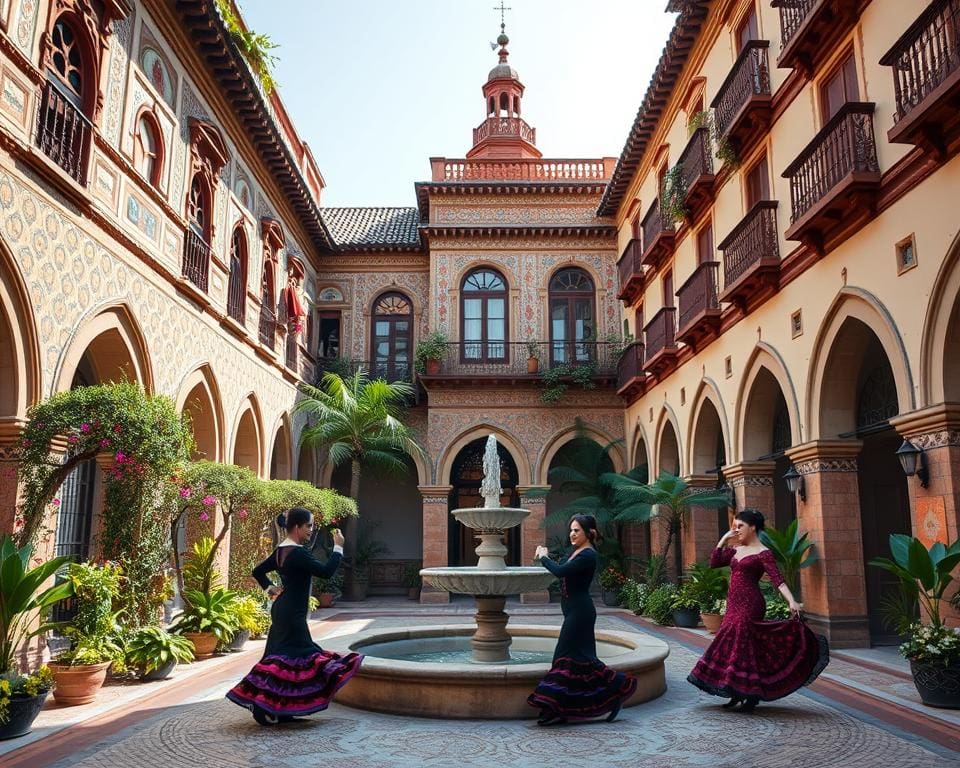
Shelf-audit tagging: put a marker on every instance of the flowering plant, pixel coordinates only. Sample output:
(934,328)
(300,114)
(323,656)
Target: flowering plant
(611,579)
(14,685)
(929,643)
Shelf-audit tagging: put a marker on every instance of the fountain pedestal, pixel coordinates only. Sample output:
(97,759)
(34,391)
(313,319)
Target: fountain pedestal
(491,641)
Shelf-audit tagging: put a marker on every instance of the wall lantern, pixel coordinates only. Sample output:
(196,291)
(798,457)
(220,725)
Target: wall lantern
(914,462)
(794,482)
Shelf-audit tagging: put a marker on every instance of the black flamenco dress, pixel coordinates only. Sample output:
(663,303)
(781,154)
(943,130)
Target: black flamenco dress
(578,684)
(750,657)
(295,676)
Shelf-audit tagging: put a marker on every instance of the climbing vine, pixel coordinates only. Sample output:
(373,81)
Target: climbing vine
(256,47)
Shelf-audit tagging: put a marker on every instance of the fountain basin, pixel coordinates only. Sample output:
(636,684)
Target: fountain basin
(489,582)
(484,691)
(491,518)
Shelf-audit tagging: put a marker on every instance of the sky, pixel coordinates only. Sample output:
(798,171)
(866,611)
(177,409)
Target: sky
(377,87)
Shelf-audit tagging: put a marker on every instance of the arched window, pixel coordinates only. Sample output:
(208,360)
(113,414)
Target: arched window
(392,337)
(572,322)
(148,149)
(198,213)
(68,61)
(237,292)
(483,305)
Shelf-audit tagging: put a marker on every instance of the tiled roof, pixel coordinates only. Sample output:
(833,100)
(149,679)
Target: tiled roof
(373,228)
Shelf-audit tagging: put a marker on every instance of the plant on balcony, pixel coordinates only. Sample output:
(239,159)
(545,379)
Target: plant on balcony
(673,196)
(256,47)
(618,344)
(559,378)
(533,357)
(430,352)
(724,151)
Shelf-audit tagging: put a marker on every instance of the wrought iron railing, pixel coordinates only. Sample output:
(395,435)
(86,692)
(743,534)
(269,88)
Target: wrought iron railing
(926,55)
(843,146)
(661,332)
(698,294)
(391,370)
(754,238)
(196,259)
(504,126)
(696,159)
(237,296)
(749,77)
(792,15)
(268,327)
(653,225)
(63,132)
(630,365)
(630,262)
(293,344)
(507,358)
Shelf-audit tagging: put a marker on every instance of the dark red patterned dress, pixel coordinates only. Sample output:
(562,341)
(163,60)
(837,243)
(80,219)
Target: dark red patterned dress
(750,656)
(295,676)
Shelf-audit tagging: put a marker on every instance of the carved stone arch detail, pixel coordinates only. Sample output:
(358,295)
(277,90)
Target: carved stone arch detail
(512,445)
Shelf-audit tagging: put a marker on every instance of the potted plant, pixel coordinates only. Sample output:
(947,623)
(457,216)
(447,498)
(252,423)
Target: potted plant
(611,581)
(328,590)
(95,639)
(533,357)
(246,610)
(933,648)
(686,607)
(713,617)
(22,596)
(155,653)
(430,352)
(368,549)
(207,619)
(411,580)
(708,586)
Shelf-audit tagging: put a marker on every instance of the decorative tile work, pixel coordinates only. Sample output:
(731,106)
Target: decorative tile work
(751,481)
(120,44)
(939,439)
(26,26)
(827,465)
(498,214)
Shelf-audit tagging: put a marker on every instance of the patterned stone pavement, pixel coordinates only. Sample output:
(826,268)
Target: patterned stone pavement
(682,728)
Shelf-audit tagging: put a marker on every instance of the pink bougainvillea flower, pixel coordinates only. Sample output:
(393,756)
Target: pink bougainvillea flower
(55,502)
(27,443)
(204,517)
(117,428)
(242,514)
(185,493)
(209,501)
(73,439)
(104,443)
(84,427)
(120,457)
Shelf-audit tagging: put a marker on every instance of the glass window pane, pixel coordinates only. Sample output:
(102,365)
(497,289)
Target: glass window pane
(472,330)
(495,308)
(496,330)
(472,309)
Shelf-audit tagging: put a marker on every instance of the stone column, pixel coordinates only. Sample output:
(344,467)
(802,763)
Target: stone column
(9,474)
(752,483)
(435,525)
(533,533)
(935,510)
(700,528)
(834,588)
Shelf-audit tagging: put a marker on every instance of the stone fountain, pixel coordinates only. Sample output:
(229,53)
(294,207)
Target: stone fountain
(453,671)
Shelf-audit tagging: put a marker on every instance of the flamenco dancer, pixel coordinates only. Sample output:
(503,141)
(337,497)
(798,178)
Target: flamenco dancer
(752,660)
(295,676)
(578,685)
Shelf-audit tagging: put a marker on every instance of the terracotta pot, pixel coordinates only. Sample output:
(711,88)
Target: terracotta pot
(533,365)
(431,367)
(326,599)
(78,684)
(712,621)
(22,712)
(204,643)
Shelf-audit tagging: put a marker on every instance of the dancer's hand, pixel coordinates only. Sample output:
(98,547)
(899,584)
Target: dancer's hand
(732,535)
(337,537)
(274,592)
(795,606)
(541,552)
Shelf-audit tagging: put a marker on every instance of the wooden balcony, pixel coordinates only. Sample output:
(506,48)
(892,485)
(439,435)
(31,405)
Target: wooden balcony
(268,327)
(751,255)
(696,170)
(811,29)
(63,133)
(835,180)
(631,377)
(658,237)
(196,259)
(699,316)
(926,80)
(506,360)
(631,271)
(661,343)
(743,105)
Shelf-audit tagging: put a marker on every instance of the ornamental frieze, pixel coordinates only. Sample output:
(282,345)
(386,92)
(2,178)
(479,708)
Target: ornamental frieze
(525,214)
(751,481)
(939,439)
(387,260)
(826,465)
(552,243)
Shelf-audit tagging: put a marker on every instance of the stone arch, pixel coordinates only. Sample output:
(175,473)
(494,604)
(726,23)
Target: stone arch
(307,465)
(114,344)
(668,453)
(281,450)
(640,448)
(708,424)
(566,435)
(854,315)
(199,395)
(595,275)
(449,454)
(940,345)
(764,361)
(246,447)
(19,346)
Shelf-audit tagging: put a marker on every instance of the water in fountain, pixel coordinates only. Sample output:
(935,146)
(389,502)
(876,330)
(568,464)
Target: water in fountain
(490,580)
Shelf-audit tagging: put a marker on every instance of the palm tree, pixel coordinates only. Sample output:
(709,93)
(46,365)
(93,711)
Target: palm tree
(668,498)
(358,421)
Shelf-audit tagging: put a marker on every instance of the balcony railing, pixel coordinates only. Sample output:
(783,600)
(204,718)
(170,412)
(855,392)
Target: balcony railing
(504,126)
(792,15)
(506,358)
(748,80)
(519,170)
(63,132)
(630,268)
(660,333)
(845,146)
(810,30)
(391,370)
(926,58)
(237,297)
(196,259)
(292,350)
(696,160)
(698,295)
(752,242)
(268,327)
(656,233)
(630,368)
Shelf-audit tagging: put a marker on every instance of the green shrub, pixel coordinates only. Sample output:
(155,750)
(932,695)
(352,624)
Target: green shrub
(659,604)
(633,595)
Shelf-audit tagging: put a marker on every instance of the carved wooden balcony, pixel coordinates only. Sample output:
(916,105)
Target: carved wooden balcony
(631,271)
(661,343)
(696,170)
(743,105)
(631,377)
(926,80)
(63,133)
(751,255)
(699,316)
(811,29)
(658,237)
(196,259)
(835,179)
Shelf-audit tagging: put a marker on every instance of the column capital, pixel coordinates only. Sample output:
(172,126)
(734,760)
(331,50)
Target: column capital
(522,489)
(10,429)
(701,481)
(825,456)
(750,473)
(435,493)
(936,426)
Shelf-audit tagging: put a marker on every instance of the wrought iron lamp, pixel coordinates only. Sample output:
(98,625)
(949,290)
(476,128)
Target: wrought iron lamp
(914,462)
(794,482)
